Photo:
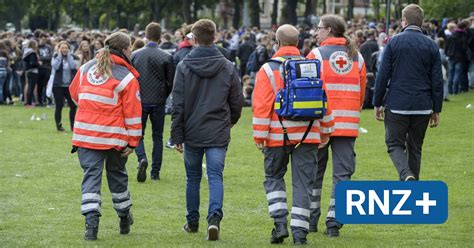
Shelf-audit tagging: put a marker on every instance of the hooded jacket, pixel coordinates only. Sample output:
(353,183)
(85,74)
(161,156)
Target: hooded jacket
(207,99)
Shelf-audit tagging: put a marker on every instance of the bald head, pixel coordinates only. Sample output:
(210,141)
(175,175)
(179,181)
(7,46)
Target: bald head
(287,35)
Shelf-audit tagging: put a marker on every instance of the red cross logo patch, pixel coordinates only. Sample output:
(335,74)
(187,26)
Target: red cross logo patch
(340,62)
(94,78)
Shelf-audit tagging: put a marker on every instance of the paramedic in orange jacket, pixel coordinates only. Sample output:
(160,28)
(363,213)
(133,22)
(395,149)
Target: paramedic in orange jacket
(268,136)
(344,77)
(107,128)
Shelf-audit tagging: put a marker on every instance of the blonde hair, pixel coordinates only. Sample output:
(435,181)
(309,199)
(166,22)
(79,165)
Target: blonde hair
(63,42)
(338,29)
(116,41)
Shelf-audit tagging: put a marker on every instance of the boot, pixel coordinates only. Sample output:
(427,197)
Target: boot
(125,223)
(92,226)
(279,233)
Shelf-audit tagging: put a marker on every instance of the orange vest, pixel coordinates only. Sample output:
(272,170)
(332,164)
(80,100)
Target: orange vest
(266,126)
(109,109)
(344,80)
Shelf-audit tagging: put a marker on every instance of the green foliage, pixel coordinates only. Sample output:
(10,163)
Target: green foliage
(40,189)
(447,8)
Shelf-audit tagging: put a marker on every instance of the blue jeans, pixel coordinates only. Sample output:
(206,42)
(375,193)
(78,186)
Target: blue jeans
(215,157)
(157,118)
(456,76)
(3,83)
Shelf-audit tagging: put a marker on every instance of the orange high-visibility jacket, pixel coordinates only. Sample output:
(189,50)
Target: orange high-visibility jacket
(344,80)
(266,126)
(109,109)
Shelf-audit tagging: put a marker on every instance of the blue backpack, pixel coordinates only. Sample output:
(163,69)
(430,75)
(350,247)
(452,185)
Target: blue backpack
(302,98)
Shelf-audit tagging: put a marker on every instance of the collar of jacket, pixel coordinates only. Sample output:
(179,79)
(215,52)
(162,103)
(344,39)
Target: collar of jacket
(151,44)
(334,41)
(119,61)
(287,51)
(412,27)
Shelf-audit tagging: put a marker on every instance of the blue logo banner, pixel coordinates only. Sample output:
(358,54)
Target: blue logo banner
(391,202)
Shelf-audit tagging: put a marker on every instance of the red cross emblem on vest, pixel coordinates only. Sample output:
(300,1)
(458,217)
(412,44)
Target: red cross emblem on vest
(341,62)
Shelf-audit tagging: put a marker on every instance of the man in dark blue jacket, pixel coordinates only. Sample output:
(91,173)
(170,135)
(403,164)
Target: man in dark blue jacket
(207,102)
(156,68)
(408,92)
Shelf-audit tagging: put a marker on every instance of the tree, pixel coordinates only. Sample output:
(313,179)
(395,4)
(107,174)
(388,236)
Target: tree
(376,6)
(187,11)
(447,8)
(290,8)
(350,10)
(275,12)
(237,13)
(255,13)
(310,8)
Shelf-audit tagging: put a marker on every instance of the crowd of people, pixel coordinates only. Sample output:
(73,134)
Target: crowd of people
(26,60)
(202,76)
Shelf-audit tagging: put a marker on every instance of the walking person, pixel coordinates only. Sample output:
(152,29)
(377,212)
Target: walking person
(45,52)
(63,69)
(270,137)
(412,64)
(107,129)
(207,102)
(156,70)
(344,76)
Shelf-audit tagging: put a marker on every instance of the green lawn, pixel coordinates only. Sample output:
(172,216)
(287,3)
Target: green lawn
(40,189)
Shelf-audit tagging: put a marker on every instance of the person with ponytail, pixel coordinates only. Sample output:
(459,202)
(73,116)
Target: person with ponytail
(107,128)
(344,78)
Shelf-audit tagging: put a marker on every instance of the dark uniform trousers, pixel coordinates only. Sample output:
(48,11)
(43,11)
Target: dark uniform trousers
(344,162)
(404,135)
(92,162)
(303,168)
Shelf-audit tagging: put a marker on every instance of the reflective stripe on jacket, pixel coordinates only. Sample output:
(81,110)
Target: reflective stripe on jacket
(344,80)
(266,126)
(109,109)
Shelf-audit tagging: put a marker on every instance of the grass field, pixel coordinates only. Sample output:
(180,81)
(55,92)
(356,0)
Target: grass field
(40,189)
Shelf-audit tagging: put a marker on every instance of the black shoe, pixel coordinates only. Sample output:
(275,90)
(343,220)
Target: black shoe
(141,174)
(59,127)
(125,223)
(299,241)
(279,233)
(155,177)
(313,228)
(191,227)
(213,228)
(332,232)
(91,232)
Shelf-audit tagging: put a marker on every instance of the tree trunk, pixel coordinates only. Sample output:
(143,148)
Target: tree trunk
(187,11)
(255,13)
(156,9)
(86,15)
(324,7)
(196,7)
(309,8)
(57,15)
(237,13)
(291,17)
(275,12)
(350,10)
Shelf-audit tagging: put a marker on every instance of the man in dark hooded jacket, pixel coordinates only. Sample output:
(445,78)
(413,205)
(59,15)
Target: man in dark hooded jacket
(207,101)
